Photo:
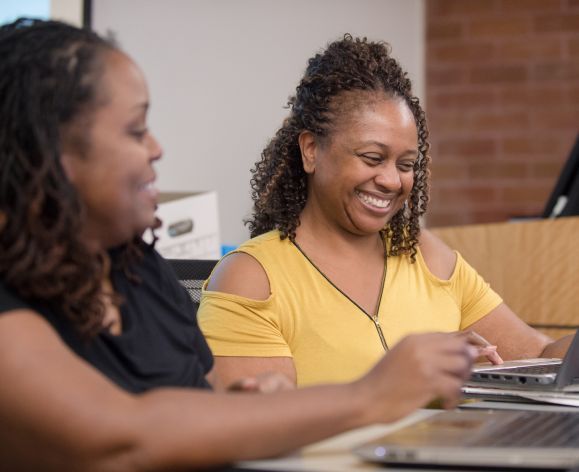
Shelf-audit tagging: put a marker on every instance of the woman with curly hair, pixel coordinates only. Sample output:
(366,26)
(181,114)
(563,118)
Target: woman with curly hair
(339,270)
(102,363)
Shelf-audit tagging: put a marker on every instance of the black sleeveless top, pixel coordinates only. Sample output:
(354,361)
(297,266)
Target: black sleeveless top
(161,344)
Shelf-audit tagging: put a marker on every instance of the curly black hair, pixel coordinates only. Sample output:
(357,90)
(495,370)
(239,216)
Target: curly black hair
(279,182)
(48,84)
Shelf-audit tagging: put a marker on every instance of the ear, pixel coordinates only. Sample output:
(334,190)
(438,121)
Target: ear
(308,147)
(68,161)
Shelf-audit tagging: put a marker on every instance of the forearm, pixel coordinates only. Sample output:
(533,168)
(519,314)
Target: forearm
(557,348)
(220,428)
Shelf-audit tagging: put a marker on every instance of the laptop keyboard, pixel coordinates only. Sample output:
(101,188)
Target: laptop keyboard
(536,429)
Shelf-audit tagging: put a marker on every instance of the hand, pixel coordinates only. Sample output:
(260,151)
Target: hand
(419,369)
(485,349)
(267,382)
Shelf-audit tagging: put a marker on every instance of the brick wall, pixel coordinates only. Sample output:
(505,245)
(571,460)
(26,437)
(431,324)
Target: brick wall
(502,101)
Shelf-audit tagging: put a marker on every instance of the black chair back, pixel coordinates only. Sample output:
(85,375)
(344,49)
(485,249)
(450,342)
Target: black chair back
(192,273)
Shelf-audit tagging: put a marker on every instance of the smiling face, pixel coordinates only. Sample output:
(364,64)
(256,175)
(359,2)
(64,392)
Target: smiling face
(361,174)
(113,171)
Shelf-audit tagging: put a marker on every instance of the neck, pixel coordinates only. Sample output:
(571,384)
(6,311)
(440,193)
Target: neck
(314,229)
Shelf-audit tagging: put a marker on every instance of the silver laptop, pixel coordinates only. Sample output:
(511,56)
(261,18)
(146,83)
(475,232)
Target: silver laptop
(544,374)
(489,439)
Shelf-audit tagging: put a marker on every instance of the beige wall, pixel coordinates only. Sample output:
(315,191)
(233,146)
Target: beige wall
(220,72)
(67,10)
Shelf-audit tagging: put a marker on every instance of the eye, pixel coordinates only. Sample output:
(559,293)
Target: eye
(406,166)
(139,134)
(371,159)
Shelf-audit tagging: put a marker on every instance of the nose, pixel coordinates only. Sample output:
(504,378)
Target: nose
(388,177)
(155,149)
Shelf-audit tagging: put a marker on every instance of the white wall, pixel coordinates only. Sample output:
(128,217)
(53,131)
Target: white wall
(220,73)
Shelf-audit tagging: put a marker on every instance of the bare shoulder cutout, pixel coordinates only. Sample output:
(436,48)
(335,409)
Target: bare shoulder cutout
(439,258)
(240,274)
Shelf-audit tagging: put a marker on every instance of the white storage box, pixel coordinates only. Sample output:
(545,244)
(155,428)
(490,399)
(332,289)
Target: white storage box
(190,228)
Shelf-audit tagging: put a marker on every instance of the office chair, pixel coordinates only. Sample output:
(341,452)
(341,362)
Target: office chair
(192,273)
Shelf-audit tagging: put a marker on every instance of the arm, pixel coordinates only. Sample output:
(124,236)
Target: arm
(240,274)
(515,339)
(58,413)
(501,327)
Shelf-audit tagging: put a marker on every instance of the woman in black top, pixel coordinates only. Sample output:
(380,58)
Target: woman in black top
(102,364)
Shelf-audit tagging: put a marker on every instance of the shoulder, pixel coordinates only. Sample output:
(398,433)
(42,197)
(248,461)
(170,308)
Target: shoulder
(438,257)
(240,274)
(263,244)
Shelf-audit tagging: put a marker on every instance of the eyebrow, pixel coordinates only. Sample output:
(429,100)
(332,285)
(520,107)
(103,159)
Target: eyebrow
(385,147)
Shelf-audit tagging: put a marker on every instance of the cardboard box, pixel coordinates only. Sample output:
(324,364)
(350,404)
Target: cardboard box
(190,228)
(533,265)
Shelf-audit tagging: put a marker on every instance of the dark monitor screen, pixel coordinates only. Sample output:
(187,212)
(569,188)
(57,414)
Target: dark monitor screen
(564,200)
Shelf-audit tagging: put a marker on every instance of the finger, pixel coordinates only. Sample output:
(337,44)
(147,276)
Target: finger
(450,391)
(459,367)
(491,354)
(247,384)
(457,362)
(477,340)
(275,384)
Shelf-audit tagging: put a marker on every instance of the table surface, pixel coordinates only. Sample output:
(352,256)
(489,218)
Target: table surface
(334,454)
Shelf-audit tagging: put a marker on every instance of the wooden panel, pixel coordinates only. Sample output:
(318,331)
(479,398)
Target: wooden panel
(556,333)
(533,265)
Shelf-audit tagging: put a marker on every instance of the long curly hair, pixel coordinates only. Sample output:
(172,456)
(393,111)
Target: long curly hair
(48,84)
(279,182)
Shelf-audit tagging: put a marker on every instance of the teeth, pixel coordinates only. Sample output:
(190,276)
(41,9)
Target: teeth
(373,200)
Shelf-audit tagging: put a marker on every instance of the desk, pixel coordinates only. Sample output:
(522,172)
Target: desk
(334,454)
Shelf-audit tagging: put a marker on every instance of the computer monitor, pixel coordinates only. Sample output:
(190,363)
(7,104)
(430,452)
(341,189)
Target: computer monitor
(564,200)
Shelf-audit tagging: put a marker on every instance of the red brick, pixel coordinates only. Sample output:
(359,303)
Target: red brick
(574,47)
(448,171)
(496,27)
(500,121)
(460,7)
(498,74)
(557,23)
(558,120)
(469,148)
(518,49)
(450,120)
(458,99)
(529,145)
(493,215)
(549,170)
(497,170)
(533,95)
(573,3)
(469,194)
(523,6)
(461,52)
(445,218)
(526,194)
(556,71)
(447,77)
(443,31)
(574,95)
